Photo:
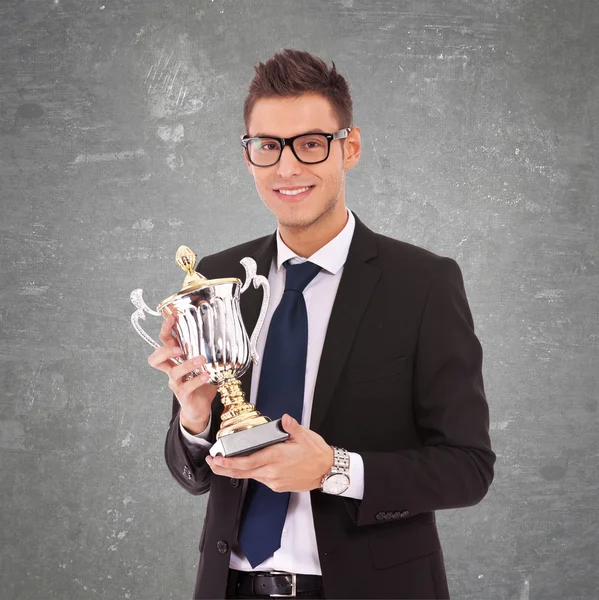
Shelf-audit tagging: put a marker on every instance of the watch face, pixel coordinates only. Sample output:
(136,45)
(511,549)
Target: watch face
(336,483)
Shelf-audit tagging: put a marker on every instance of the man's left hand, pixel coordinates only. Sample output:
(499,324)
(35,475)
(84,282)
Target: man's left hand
(296,465)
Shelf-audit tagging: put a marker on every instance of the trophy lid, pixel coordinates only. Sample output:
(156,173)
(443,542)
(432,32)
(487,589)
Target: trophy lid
(194,281)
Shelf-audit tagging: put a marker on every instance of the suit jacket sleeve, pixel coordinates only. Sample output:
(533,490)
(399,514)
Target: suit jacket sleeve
(454,466)
(186,462)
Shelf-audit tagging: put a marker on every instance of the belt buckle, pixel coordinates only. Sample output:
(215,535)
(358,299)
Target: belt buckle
(293,585)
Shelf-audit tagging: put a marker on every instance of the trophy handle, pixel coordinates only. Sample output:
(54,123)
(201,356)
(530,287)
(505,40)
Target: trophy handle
(249,264)
(142,308)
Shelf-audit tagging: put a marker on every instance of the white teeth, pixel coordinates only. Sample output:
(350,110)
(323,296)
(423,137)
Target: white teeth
(294,192)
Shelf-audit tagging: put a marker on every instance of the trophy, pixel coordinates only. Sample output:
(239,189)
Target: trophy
(208,322)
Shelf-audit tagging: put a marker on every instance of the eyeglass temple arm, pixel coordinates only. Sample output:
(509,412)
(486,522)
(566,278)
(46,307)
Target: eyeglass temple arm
(343,133)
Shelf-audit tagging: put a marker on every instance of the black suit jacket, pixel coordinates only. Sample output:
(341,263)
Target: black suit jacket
(399,382)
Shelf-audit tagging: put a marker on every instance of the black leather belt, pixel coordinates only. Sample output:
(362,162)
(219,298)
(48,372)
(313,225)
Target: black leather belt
(272,583)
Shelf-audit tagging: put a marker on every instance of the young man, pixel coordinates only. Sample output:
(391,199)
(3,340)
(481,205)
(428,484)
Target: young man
(369,354)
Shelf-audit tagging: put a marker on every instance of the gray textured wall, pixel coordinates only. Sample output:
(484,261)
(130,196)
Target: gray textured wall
(119,124)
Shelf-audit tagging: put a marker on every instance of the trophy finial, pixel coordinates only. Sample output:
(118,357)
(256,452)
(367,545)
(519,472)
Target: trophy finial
(186,259)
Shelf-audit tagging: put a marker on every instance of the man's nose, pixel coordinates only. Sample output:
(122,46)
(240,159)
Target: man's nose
(288,165)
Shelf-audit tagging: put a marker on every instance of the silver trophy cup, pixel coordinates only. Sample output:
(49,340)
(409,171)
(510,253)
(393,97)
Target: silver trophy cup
(208,323)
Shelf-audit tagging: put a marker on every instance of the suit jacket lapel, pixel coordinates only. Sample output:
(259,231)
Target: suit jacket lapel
(356,287)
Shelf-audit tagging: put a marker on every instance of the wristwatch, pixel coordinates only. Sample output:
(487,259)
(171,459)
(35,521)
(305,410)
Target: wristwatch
(336,481)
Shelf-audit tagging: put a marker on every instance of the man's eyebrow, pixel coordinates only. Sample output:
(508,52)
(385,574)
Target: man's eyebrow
(268,135)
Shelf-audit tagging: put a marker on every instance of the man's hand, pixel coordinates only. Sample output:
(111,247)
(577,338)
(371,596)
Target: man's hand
(194,395)
(297,465)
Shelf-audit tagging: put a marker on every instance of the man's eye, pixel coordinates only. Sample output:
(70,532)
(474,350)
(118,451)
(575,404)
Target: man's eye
(312,144)
(265,145)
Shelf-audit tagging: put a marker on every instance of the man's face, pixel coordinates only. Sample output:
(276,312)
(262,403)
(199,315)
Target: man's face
(287,117)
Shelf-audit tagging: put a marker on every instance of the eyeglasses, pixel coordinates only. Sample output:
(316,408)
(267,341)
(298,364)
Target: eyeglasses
(308,148)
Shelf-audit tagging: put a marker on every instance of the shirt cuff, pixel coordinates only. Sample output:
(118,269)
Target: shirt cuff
(356,477)
(200,439)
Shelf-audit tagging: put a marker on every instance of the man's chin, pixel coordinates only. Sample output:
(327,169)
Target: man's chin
(303,218)
(299,221)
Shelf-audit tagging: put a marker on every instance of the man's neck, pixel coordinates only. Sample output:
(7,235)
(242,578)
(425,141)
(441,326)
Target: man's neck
(305,241)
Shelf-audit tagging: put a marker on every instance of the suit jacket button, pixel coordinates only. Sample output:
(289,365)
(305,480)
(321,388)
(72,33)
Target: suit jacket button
(403,514)
(222,547)
(234,482)
(380,516)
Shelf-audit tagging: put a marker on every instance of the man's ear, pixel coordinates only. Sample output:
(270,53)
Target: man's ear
(245,155)
(352,149)
(247,162)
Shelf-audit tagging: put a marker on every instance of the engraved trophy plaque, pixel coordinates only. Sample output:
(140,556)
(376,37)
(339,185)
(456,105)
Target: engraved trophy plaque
(208,322)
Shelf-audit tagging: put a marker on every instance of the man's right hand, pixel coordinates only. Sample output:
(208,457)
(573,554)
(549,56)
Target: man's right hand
(194,395)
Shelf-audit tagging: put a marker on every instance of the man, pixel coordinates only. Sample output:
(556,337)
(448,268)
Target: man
(390,376)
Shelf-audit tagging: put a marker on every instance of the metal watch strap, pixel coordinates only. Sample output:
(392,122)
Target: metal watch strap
(341,462)
(340,467)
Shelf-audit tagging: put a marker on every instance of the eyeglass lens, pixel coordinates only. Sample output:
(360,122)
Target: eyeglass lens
(308,148)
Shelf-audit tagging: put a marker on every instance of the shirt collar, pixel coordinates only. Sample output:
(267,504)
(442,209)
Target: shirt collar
(330,257)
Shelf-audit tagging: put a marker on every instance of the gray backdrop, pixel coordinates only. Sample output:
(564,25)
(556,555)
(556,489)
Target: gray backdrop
(119,126)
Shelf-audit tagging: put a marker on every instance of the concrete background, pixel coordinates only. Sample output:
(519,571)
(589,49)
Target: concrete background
(119,128)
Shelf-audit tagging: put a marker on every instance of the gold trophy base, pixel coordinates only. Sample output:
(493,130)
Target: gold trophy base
(243,429)
(238,415)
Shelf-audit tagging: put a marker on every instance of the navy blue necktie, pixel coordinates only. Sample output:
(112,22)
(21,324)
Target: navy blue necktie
(280,391)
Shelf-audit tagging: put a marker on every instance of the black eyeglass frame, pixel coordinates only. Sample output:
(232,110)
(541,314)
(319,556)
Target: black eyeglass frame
(338,135)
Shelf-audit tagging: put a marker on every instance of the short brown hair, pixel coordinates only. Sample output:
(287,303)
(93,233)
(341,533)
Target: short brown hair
(294,72)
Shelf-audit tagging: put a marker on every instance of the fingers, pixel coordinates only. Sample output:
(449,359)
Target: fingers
(181,374)
(184,387)
(166,336)
(291,426)
(238,469)
(184,378)
(185,368)
(255,463)
(268,475)
(187,378)
(160,358)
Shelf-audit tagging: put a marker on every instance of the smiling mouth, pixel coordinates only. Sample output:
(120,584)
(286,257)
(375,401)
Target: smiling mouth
(294,192)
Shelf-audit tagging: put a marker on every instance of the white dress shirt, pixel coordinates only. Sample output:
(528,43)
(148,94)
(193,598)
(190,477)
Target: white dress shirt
(298,552)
